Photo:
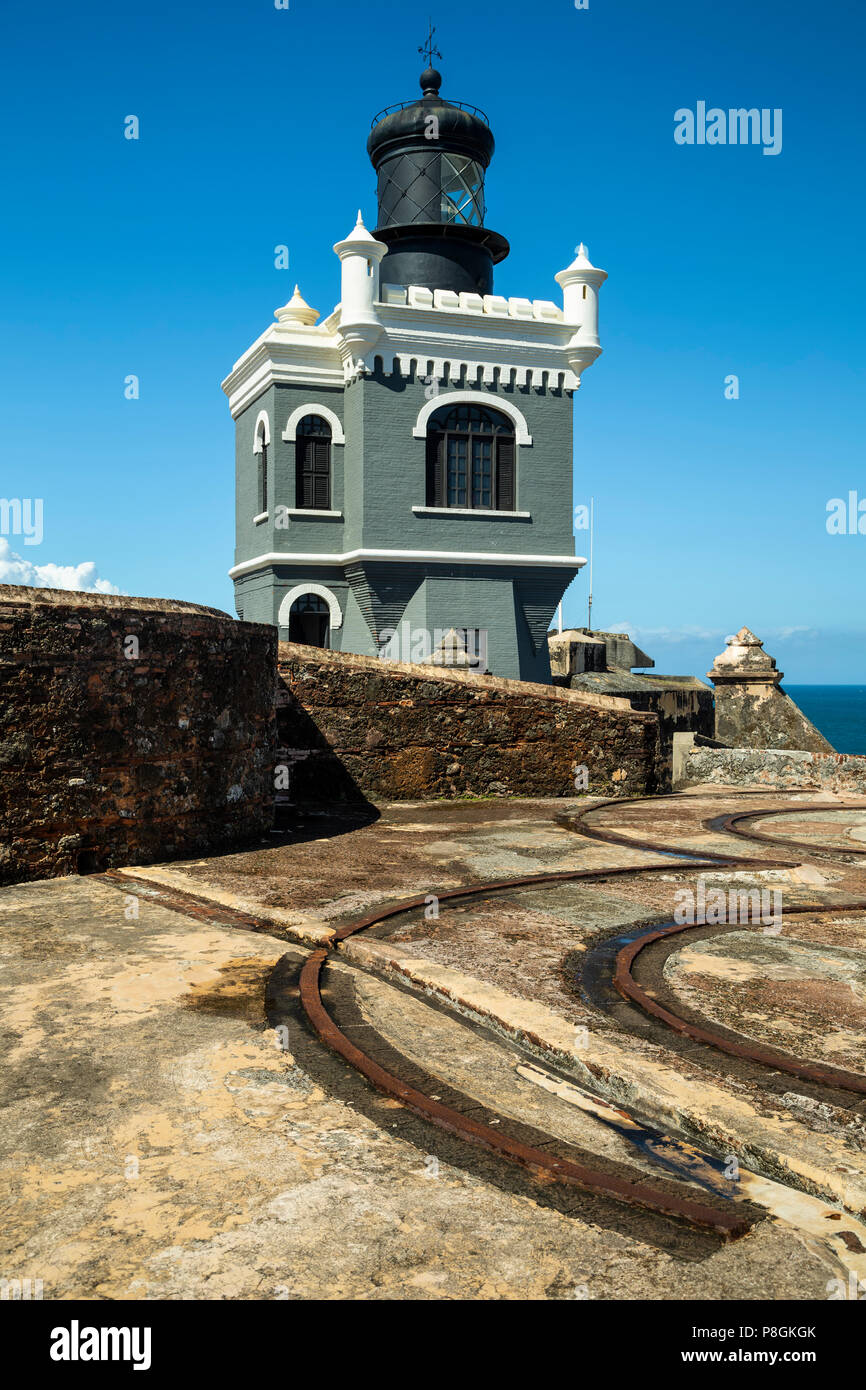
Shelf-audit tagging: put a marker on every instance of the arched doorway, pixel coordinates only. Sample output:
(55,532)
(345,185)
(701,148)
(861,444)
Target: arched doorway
(310,621)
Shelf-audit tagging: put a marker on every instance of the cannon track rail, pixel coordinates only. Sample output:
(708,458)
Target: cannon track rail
(721,1219)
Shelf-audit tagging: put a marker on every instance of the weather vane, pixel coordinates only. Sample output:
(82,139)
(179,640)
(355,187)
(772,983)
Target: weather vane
(429,49)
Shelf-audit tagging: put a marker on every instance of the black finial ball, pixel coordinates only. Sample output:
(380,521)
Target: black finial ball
(431,81)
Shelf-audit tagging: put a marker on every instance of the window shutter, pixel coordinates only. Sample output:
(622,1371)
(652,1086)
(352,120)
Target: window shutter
(436,470)
(433,470)
(300,454)
(505,475)
(322,476)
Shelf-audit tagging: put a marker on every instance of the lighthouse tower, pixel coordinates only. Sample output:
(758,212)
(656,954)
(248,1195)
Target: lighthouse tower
(404,466)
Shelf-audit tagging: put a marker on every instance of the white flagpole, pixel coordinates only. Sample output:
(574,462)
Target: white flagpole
(591,537)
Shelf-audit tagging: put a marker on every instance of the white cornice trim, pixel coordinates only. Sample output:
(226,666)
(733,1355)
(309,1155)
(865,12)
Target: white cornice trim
(500,403)
(551,359)
(311,359)
(519,363)
(445,557)
(262,516)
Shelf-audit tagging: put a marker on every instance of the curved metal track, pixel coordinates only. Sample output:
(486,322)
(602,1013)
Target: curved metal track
(733,826)
(725,1223)
(629,988)
(578,823)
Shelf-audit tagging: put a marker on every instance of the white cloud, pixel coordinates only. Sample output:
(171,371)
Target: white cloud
(784,634)
(15,570)
(667,634)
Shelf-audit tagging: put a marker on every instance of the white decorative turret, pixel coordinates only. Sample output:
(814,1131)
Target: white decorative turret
(297,311)
(580,285)
(360,326)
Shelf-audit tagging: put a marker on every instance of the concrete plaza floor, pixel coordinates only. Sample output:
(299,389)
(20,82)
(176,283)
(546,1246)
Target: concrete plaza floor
(162,1140)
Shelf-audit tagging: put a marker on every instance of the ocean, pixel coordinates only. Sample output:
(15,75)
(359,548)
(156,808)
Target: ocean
(839,711)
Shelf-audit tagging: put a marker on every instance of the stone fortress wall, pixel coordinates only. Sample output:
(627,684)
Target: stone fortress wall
(131,730)
(351,725)
(137,730)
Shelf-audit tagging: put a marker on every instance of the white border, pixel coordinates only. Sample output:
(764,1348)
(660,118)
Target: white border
(261,418)
(460,557)
(321,592)
(313,511)
(337,435)
(490,401)
(479,513)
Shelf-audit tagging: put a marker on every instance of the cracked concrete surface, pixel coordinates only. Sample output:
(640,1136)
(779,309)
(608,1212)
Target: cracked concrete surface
(160,1140)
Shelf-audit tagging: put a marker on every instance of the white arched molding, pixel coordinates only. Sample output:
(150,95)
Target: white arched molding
(321,592)
(483,398)
(261,419)
(337,436)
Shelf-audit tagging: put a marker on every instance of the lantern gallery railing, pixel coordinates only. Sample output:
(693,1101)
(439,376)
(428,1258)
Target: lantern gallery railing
(402,105)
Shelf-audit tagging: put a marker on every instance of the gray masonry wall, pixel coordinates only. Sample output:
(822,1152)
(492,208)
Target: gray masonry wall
(396,472)
(378,476)
(258,596)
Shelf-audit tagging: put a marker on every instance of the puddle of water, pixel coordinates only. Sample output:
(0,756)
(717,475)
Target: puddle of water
(806,1216)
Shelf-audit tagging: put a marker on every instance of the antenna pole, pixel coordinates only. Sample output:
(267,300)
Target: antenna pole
(591,537)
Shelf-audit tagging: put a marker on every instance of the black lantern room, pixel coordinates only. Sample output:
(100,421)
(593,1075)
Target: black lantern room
(431,156)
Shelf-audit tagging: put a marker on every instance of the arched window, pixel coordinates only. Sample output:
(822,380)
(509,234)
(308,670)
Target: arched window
(313,463)
(261,449)
(470,459)
(310,621)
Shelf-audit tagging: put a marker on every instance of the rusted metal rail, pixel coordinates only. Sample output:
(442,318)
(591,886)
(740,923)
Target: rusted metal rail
(728,1224)
(578,823)
(628,987)
(734,826)
(725,1223)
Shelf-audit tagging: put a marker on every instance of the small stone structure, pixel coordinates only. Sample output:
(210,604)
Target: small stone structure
(353,726)
(579,650)
(131,730)
(752,711)
(602,662)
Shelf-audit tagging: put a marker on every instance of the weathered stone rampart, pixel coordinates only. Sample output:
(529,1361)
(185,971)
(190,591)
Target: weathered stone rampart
(351,726)
(136,730)
(131,730)
(785,769)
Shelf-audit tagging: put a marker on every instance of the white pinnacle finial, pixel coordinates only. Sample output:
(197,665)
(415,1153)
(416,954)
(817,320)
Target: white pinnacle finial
(361,242)
(297,311)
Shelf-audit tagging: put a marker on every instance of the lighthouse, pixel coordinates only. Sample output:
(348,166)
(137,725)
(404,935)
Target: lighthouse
(404,464)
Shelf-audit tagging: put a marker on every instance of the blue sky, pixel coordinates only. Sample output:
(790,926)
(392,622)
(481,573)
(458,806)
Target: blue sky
(156,258)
